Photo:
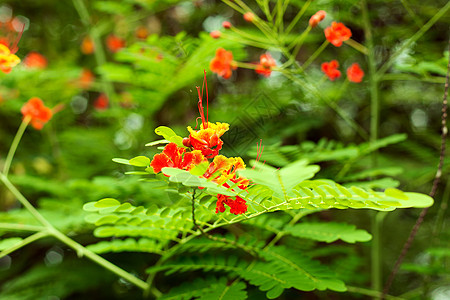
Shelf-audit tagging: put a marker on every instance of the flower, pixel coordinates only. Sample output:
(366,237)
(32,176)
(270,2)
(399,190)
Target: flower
(266,62)
(35,60)
(331,69)
(207,140)
(141,32)
(8,60)
(215,34)
(38,113)
(114,43)
(355,73)
(172,157)
(337,33)
(237,206)
(226,25)
(316,18)
(86,79)
(249,16)
(87,46)
(102,102)
(223,63)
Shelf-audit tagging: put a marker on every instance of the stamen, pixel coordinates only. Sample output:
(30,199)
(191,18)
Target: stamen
(14,48)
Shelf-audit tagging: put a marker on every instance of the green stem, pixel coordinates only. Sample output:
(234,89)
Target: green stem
(376,250)
(298,17)
(438,225)
(15,143)
(315,54)
(357,46)
(82,251)
(99,51)
(413,39)
(20,227)
(24,201)
(24,242)
(367,292)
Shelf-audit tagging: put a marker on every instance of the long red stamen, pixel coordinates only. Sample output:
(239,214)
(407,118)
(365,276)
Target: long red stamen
(14,48)
(259,151)
(207,100)
(200,102)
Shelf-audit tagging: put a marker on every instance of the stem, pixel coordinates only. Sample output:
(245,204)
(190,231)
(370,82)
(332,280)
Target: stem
(414,38)
(24,201)
(357,46)
(315,54)
(82,251)
(298,16)
(376,250)
(24,242)
(20,227)
(15,143)
(367,292)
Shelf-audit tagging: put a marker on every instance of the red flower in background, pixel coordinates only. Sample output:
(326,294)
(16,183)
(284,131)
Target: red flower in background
(86,79)
(215,34)
(337,33)
(37,111)
(35,60)
(102,102)
(141,32)
(223,63)
(226,25)
(330,69)
(114,43)
(266,62)
(316,18)
(87,46)
(172,157)
(355,73)
(249,16)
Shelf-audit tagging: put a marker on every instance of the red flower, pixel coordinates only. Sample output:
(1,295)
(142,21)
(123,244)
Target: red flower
(249,16)
(114,43)
(226,25)
(266,62)
(316,18)
(355,73)
(237,206)
(87,46)
(141,32)
(37,111)
(102,102)
(35,60)
(337,33)
(223,63)
(172,156)
(207,140)
(215,34)
(86,79)
(330,69)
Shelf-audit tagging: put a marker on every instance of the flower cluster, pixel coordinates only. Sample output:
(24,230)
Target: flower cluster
(337,33)
(203,146)
(354,72)
(37,112)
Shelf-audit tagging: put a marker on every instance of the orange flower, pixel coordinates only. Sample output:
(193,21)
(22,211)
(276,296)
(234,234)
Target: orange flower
(207,140)
(331,69)
(114,43)
(355,73)
(223,63)
(35,60)
(316,18)
(86,79)
(141,32)
(172,156)
(337,33)
(8,60)
(215,34)
(266,62)
(102,102)
(249,16)
(87,46)
(37,111)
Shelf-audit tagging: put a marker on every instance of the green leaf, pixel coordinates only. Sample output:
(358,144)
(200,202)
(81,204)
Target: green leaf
(107,202)
(140,161)
(395,193)
(121,161)
(9,242)
(329,232)
(169,135)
